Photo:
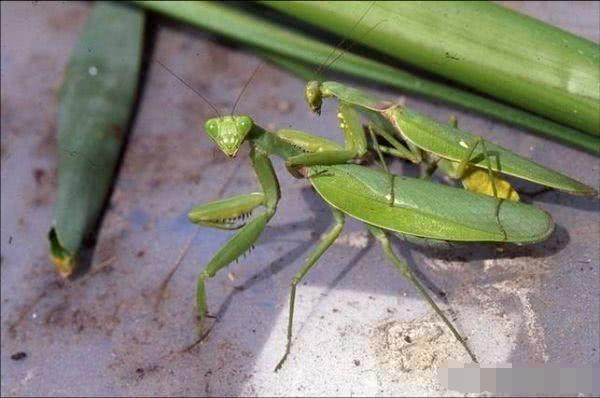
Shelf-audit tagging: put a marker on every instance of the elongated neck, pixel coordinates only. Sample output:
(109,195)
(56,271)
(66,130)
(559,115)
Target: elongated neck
(272,144)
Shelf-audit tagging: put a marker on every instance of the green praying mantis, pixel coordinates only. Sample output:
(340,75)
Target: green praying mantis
(419,207)
(458,153)
(486,211)
(385,203)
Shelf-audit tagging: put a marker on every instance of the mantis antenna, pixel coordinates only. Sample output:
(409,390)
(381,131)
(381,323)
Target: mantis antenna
(341,43)
(190,87)
(326,64)
(245,86)
(352,44)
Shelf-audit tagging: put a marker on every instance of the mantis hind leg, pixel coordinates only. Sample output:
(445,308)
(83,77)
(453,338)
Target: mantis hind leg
(463,164)
(475,179)
(481,179)
(381,236)
(326,241)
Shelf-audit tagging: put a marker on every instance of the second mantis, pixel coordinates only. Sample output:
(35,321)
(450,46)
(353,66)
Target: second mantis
(458,153)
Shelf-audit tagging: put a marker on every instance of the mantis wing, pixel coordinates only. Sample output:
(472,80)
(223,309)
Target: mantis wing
(453,143)
(429,210)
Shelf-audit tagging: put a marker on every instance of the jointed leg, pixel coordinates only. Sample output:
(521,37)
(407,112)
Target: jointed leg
(464,163)
(383,164)
(245,238)
(405,270)
(356,144)
(224,213)
(380,127)
(326,241)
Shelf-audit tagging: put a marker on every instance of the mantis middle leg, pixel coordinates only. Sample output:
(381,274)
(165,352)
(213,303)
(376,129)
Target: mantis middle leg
(326,241)
(464,163)
(383,164)
(474,178)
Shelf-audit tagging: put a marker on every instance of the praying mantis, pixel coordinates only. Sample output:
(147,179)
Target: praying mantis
(486,211)
(458,153)
(385,203)
(417,207)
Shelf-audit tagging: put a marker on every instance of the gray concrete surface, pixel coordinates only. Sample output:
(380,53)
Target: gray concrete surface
(107,332)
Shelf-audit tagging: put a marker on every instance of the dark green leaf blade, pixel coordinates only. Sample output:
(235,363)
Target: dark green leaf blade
(96,101)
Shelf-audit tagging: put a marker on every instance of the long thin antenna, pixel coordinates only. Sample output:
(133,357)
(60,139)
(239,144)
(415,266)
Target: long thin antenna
(189,86)
(353,43)
(246,85)
(339,45)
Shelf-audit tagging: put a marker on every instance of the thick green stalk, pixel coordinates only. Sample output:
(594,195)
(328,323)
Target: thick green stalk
(492,49)
(285,43)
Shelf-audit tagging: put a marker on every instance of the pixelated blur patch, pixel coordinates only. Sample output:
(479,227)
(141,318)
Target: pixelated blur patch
(507,378)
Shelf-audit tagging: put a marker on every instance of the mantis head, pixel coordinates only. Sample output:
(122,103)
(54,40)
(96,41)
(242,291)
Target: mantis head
(314,96)
(229,132)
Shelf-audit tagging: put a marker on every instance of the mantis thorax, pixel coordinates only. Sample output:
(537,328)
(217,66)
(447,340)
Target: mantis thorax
(229,132)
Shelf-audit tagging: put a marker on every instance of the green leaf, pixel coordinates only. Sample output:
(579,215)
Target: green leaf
(96,101)
(492,49)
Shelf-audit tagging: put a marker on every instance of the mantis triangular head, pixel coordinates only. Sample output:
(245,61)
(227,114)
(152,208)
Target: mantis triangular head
(229,132)
(313,96)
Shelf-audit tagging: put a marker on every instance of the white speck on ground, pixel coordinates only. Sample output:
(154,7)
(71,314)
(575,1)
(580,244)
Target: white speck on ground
(356,239)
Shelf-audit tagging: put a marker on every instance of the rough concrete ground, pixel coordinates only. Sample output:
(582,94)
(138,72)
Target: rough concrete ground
(107,333)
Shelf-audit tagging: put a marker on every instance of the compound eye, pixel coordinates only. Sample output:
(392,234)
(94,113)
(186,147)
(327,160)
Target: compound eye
(243,123)
(211,127)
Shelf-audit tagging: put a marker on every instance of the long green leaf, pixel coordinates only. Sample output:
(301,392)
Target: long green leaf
(485,46)
(286,46)
(96,101)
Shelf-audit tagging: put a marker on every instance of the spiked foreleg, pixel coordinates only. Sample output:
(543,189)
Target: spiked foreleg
(356,143)
(225,213)
(247,236)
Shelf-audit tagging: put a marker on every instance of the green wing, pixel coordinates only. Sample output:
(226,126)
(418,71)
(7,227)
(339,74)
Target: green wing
(445,141)
(449,143)
(428,210)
